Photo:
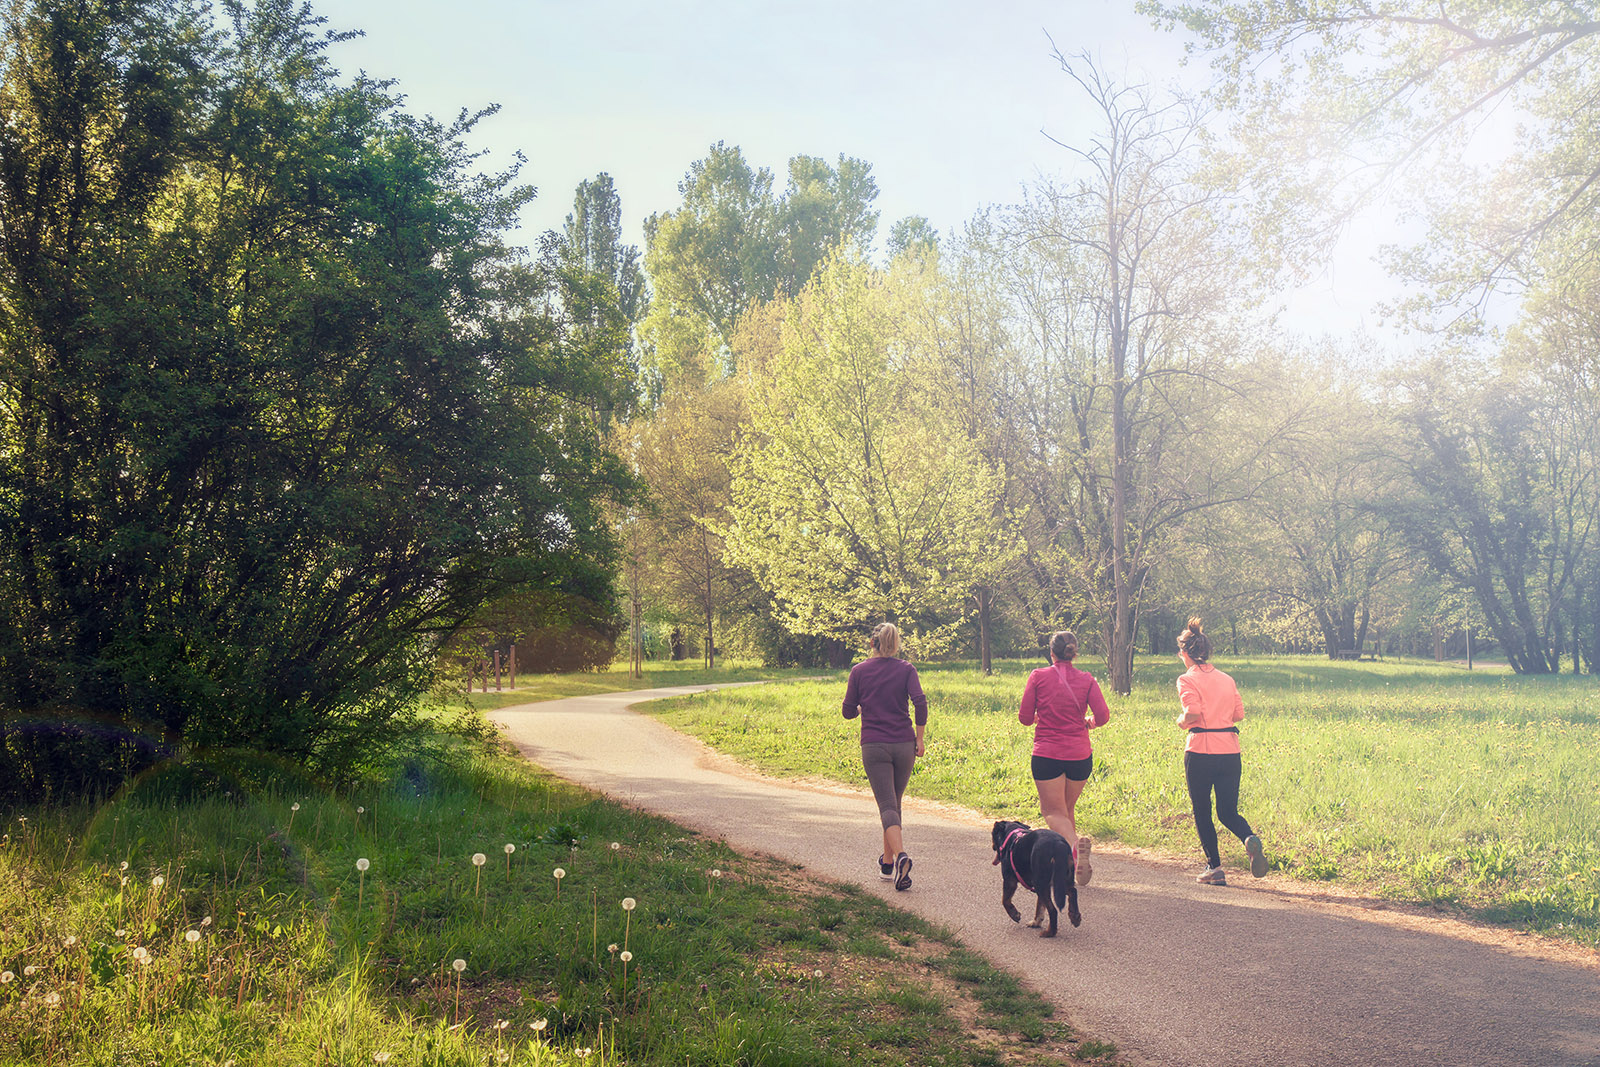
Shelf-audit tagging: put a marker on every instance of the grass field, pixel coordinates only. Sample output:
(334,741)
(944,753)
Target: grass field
(1410,780)
(240,930)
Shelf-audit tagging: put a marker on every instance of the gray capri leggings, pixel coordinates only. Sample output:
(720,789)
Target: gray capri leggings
(888,770)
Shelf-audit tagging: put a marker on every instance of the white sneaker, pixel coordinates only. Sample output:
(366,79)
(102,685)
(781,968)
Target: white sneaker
(1213,876)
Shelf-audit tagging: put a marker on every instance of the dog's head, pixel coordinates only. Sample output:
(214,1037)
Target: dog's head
(1004,829)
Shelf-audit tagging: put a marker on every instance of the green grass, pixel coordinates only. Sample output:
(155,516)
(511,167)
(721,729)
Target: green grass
(296,957)
(657,675)
(1409,780)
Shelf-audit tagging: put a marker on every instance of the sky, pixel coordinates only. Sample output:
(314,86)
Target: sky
(956,105)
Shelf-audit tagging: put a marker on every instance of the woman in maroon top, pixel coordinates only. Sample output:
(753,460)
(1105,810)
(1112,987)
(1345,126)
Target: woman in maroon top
(879,690)
(1057,703)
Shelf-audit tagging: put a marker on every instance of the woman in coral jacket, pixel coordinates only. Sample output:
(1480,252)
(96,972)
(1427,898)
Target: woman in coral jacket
(1211,762)
(1057,702)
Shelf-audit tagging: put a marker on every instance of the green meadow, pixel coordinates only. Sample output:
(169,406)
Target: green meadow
(295,926)
(1407,780)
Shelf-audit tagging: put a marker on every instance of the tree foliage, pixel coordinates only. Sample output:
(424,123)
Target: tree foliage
(277,403)
(853,500)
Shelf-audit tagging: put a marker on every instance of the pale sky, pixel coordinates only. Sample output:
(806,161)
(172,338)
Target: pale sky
(950,102)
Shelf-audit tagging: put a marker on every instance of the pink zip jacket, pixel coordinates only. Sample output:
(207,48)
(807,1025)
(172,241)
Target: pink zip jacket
(1209,699)
(1056,697)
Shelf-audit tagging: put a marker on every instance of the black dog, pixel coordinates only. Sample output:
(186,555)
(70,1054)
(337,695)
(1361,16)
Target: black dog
(1041,861)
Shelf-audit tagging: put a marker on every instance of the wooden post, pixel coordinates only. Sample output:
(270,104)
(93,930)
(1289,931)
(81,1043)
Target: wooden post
(483,667)
(513,667)
(497,670)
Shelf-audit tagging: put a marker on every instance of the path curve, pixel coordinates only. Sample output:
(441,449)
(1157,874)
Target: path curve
(1174,973)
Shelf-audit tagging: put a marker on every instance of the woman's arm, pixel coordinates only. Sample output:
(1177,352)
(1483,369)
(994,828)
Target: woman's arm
(1192,704)
(852,698)
(1025,714)
(1097,705)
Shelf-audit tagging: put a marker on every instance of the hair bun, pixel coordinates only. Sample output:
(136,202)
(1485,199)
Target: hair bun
(1194,624)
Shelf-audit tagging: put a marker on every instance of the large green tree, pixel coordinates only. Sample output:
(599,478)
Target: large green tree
(277,404)
(853,499)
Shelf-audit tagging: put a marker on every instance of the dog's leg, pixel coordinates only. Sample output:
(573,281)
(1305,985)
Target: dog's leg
(1005,901)
(1038,914)
(1074,916)
(1044,902)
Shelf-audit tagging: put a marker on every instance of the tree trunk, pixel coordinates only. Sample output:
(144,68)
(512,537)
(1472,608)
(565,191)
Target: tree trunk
(985,602)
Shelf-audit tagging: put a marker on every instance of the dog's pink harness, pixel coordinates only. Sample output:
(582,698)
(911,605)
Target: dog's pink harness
(1005,847)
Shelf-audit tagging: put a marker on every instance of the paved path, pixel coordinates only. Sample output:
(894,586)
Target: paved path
(1173,972)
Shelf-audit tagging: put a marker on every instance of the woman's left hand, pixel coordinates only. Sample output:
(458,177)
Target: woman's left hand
(922,746)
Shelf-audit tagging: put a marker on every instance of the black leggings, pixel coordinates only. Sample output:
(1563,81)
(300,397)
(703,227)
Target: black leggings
(1206,771)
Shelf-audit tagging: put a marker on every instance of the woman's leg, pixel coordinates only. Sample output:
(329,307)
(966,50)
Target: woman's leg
(1229,768)
(1197,772)
(1058,799)
(888,770)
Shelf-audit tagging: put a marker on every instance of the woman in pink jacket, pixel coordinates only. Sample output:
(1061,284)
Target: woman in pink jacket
(1211,761)
(1057,702)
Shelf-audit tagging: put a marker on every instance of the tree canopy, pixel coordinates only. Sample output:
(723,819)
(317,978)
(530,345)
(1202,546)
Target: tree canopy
(278,404)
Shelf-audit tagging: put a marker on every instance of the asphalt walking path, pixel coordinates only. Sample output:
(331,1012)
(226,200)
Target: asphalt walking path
(1173,972)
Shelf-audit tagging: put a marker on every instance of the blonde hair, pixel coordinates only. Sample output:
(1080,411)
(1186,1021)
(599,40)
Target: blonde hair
(885,640)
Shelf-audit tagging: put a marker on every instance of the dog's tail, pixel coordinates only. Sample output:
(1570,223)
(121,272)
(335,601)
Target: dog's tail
(1062,873)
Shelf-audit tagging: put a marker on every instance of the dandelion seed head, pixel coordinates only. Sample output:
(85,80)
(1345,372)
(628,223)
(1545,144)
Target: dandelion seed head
(612,948)
(122,933)
(615,846)
(141,954)
(360,810)
(501,1024)
(295,806)
(559,873)
(192,936)
(122,866)
(53,998)
(380,1057)
(538,1024)
(817,973)
(158,881)
(71,939)
(29,971)
(459,965)
(363,863)
(627,903)
(206,921)
(6,978)
(716,872)
(626,956)
(510,848)
(124,879)
(479,859)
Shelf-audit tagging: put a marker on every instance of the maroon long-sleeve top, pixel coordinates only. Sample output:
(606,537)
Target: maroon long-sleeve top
(882,690)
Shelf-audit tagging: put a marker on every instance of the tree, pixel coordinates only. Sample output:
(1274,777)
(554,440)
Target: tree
(1314,535)
(1114,280)
(735,243)
(851,501)
(682,454)
(278,406)
(602,292)
(912,234)
(1504,503)
(1339,100)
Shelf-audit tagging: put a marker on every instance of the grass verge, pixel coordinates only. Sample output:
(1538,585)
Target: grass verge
(1414,781)
(657,675)
(245,929)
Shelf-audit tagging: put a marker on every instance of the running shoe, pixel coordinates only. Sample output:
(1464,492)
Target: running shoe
(885,869)
(902,872)
(1085,868)
(1213,876)
(1257,854)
